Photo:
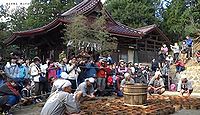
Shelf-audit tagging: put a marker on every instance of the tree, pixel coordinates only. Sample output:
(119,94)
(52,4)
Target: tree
(17,19)
(41,12)
(81,34)
(181,18)
(134,13)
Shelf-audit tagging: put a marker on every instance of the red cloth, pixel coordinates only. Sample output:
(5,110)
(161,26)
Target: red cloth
(180,63)
(108,70)
(102,71)
(110,80)
(52,71)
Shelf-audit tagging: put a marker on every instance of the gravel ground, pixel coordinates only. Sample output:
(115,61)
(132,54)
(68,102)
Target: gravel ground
(187,112)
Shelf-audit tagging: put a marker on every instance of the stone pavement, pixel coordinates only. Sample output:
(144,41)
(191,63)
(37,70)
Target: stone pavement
(197,95)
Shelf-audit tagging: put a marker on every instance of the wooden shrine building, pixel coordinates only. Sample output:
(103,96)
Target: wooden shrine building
(137,45)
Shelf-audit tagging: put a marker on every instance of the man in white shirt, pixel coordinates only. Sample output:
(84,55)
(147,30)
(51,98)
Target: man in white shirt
(35,72)
(73,71)
(61,102)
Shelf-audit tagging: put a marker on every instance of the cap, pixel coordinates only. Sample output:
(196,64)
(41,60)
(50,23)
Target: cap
(64,75)
(36,59)
(66,84)
(91,80)
(126,75)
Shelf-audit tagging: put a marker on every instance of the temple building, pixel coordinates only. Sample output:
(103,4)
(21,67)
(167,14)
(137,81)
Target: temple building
(137,45)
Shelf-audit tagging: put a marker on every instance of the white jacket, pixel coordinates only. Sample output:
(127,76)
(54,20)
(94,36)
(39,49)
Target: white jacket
(73,75)
(35,72)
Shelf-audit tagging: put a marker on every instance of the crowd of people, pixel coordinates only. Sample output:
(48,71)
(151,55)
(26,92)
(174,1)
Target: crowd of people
(71,81)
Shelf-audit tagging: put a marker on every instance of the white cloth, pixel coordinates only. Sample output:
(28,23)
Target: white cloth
(90,79)
(44,68)
(59,103)
(74,72)
(64,75)
(34,72)
(58,84)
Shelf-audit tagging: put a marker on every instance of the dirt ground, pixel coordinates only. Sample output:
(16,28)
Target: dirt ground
(36,108)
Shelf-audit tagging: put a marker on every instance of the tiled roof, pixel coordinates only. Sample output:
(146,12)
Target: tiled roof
(116,28)
(113,27)
(147,29)
(55,23)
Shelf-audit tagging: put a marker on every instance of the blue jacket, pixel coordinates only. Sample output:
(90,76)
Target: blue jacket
(189,42)
(91,70)
(22,72)
(12,71)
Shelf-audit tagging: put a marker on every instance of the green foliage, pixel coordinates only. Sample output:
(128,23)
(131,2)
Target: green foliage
(41,12)
(80,31)
(134,13)
(181,18)
(17,19)
(77,30)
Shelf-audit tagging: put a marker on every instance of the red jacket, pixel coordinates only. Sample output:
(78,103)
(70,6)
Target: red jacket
(102,71)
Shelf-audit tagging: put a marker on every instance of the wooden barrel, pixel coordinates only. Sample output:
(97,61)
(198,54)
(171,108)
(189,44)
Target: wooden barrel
(135,94)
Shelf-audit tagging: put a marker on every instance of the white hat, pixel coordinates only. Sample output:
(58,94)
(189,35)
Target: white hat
(135,64)
(121,60)
(66,84)
(91,80)
(126,75)
(64,75)
(158,73)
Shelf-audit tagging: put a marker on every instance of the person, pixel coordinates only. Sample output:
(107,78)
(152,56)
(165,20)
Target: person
(62,55)
(154,65)
(52,69)
(169,59)
(184,86)
(127,79)
(101,76)
(36,73)
(161,58)
(62,102)
(198,56)
(122,68)
(57,84)
(27,67)
(73,71)
(86,90)
(164,50)
(22,74)
(165,73)
(109,59)
(189,45)
(176,51)
(9,95)
(184,51)
(12,69)
(91,69)
(156,84)
(180,66)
